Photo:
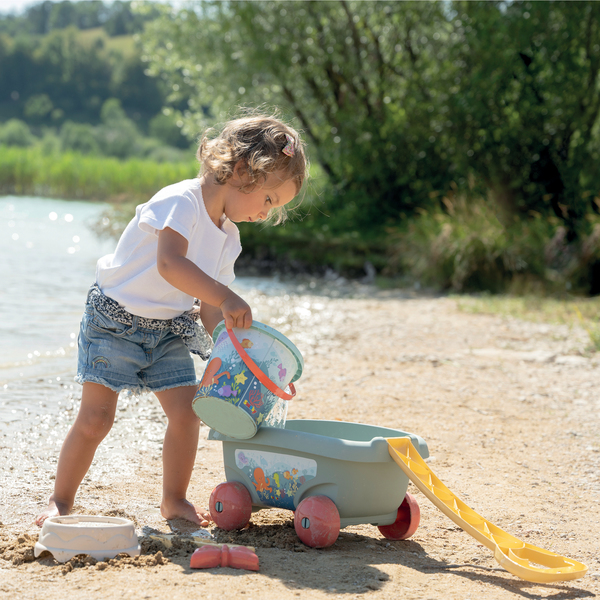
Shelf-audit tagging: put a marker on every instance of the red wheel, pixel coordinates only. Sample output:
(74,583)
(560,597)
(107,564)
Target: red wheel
(317,521)
(407,520)
(230,505)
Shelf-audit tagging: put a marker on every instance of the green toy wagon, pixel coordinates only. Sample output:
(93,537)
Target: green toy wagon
(331,473)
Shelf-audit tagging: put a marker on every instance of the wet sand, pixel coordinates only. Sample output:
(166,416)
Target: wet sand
(509,410)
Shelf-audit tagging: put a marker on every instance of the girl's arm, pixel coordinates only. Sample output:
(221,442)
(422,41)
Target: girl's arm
(183,274)
(211,316)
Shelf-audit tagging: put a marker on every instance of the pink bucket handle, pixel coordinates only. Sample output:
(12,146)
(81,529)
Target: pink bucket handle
(272,387)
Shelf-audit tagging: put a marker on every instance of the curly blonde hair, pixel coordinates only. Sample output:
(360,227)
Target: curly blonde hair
(256,141)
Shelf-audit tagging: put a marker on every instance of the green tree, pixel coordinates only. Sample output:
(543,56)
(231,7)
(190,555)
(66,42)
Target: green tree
(122,20)
(15,133)
(117,135)
(525,100)
(76,78)
(141,96)
(78,137)
(37,17)
(164,127)
(75,75)
(38,107)
(356,76)
(116,17)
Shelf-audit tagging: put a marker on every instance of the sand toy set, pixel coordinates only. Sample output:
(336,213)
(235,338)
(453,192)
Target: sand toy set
(330,473)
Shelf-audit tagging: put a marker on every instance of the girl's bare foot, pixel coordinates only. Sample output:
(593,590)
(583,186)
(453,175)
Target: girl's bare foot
(183,509)
(55,509)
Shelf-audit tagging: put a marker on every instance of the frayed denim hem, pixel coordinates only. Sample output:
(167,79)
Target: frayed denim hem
(172,386)
(81,379)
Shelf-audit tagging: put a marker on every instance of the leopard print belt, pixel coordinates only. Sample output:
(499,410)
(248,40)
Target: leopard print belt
(194,335)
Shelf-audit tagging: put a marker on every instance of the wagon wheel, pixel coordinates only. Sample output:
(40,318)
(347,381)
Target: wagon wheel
(317,521)
(230,506)
(407,520)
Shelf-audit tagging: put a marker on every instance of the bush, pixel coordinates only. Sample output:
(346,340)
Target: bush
(118,140)
(49,143)
(38,107)
(16,133)
(164,128)
(471,247)
(118,134)
(78,137)
(162,153)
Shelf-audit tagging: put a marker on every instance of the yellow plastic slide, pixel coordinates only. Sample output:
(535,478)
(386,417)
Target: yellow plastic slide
(517,557)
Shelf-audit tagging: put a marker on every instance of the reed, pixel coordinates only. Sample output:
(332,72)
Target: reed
(30,171)
(472,247)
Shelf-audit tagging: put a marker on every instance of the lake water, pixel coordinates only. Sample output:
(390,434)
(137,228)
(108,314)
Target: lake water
(48,260)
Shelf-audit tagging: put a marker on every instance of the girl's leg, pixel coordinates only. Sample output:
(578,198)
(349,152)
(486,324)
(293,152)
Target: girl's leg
(179,453)
(94,420)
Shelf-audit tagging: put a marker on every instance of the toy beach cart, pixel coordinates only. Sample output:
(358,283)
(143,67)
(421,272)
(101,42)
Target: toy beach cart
(334,474)
(330,473)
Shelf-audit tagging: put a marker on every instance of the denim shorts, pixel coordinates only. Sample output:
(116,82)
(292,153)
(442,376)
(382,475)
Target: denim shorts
(128,357)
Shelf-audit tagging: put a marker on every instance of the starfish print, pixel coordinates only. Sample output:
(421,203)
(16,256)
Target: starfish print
(240,378)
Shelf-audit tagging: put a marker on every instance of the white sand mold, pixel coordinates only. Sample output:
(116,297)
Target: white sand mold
(100,537)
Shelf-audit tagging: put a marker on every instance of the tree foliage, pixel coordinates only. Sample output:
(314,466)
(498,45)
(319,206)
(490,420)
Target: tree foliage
(117,18)
(526,104)
(353,74)
(403,102)
(51,72)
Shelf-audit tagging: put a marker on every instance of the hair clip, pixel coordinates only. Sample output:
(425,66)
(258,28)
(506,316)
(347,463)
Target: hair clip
(289,149)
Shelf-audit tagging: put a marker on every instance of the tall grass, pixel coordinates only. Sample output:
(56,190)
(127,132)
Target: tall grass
(74,176)
(471,247)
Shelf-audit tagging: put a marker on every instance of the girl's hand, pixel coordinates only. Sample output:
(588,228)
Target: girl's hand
(236,312)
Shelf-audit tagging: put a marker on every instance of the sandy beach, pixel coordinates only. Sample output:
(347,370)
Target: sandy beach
(509,410)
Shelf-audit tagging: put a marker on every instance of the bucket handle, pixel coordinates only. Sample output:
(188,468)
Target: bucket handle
(272,387)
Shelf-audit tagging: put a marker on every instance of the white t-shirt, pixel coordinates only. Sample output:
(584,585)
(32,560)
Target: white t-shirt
(130,275)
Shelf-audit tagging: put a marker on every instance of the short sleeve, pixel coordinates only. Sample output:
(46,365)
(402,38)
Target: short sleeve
(176,212)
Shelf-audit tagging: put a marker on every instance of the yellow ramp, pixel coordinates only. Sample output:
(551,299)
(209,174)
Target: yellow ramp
(517,557)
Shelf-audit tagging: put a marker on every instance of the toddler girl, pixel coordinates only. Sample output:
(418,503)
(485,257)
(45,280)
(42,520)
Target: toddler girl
(173,265)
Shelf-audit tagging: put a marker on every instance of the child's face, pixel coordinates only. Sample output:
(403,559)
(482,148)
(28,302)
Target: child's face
(255,205)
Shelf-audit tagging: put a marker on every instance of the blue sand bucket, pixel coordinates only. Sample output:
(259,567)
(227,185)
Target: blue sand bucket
(243,384)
